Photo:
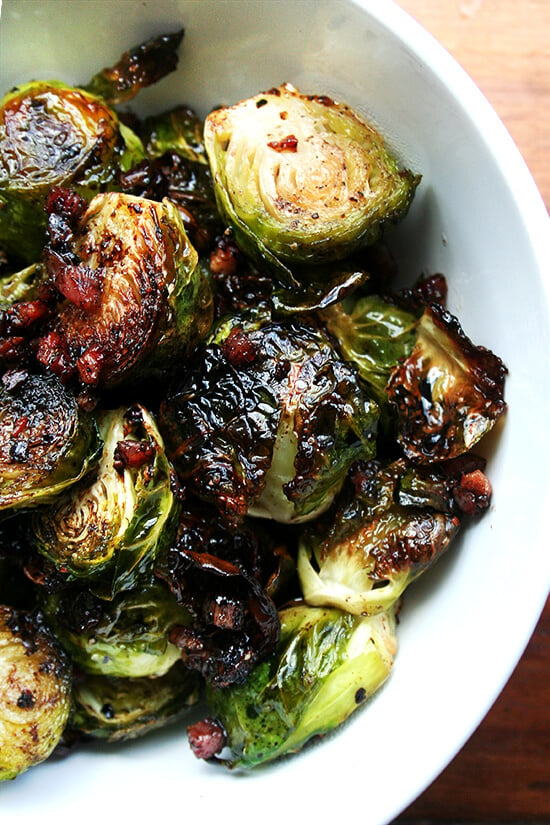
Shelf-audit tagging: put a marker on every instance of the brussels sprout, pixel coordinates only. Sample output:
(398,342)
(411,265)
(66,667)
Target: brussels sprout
(396,522)
(443,392)
(268,421)
(301,178)
(327,663)
(108,529)
(46,442)
(136,300)
(54,135)
(115,709)
(125,637)
(35,700)
(141,66)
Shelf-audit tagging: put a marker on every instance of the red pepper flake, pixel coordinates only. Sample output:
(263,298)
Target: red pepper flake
(287,144)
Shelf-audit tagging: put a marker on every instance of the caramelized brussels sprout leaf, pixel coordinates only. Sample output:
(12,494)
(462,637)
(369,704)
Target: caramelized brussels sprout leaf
(301,178)
(126,637)
(139,67)
(448,393)
(268,421)
(136,300)
(390,526)
(46,442)
(54,135)
(115,709)
(327,663)
(109,528)
(35,700)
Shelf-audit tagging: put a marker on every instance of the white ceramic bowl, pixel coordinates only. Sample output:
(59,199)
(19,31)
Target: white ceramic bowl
(479,219)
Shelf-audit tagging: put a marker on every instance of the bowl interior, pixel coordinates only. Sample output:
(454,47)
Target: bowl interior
(477,218)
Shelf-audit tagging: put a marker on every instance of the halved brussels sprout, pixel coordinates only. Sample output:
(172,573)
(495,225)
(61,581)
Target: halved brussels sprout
(23,285)
(268,420)
(125,637)
(109,528)
(392,524)
(135,297)
(301,178)
(327,663)
(113,709)
(46,442)
(54,135)
(35,699)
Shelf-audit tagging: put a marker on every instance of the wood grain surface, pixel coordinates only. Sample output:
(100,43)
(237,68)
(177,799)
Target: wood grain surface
(503,772)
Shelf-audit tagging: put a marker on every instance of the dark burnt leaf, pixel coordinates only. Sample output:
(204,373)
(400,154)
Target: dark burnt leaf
(447,393)
(140,66)
(220,425)
(222,575)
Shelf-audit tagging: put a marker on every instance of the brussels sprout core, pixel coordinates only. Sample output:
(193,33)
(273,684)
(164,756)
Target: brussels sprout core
(301,178)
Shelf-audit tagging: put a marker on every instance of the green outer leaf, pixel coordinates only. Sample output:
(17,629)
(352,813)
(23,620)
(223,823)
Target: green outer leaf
(326,664)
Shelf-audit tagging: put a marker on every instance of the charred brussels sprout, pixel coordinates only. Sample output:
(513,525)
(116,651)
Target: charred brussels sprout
(136,300)
(109,528)
(115,709)
(126,637)
(268,421)
(46,442)
(327,663)
(442,392)
(54,135)
(301,178)
(395,523)
(36,691)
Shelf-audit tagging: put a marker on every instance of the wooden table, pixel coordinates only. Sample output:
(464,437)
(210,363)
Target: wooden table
(503,772)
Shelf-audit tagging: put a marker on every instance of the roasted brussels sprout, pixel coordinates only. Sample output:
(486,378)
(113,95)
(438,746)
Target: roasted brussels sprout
(301,178)
(35,699)
(327,663)
(443,392)
(268,420)
(46,442)
(136,300)
(113,709)
(54,135)
(125,637)
(108,530)
(396,523)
